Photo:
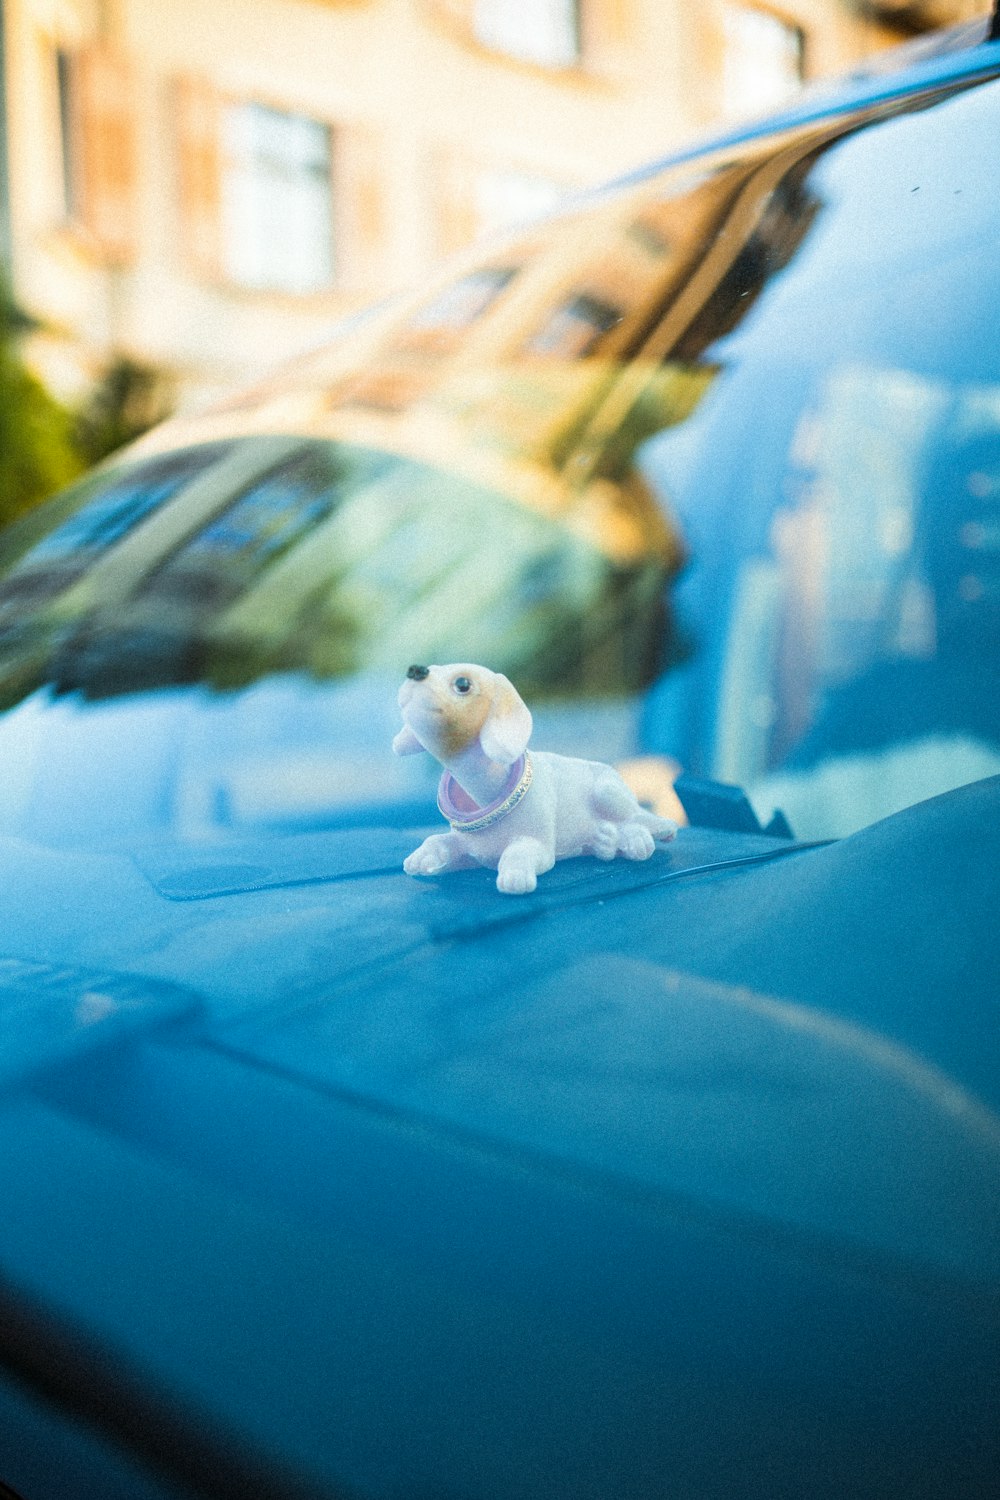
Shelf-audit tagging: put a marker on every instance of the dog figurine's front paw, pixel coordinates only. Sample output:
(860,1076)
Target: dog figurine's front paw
(520,865)
(434,856)
(420,862)
(516,880)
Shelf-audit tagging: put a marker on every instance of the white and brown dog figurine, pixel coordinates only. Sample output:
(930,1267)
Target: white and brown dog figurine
(513,812)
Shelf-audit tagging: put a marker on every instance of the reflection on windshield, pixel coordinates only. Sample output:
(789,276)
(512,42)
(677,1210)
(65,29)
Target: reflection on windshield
(104,514)
(884,600)
(325,562)
(722,448)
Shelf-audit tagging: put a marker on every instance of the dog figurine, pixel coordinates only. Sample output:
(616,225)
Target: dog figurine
(514,812)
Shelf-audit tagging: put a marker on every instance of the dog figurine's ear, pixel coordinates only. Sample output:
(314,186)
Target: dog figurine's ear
(507,730)
(406,742)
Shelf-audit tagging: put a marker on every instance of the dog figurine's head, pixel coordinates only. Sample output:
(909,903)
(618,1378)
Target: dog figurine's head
(449,710)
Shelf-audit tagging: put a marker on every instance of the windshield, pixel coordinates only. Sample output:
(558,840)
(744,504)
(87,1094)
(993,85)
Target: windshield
(709,467)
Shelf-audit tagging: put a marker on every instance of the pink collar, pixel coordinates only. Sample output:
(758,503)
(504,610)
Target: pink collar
(473,819)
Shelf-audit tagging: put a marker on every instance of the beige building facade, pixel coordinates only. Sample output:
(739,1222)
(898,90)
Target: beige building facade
(207,187)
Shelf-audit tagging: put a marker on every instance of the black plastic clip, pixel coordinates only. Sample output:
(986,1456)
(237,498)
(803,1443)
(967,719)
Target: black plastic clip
(714,804)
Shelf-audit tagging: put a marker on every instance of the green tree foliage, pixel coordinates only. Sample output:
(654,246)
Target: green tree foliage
(128,400)
(38,453)
(44,444)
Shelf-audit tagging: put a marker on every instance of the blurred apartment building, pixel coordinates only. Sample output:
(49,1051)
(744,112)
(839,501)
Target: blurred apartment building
(208,186)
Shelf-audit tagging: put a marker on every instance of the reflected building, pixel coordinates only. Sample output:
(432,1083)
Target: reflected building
(207,187)
(459,473)
(676,462)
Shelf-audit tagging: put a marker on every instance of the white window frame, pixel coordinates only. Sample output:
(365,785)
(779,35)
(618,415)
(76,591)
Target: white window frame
(763,63)
(277,206)
(545,32)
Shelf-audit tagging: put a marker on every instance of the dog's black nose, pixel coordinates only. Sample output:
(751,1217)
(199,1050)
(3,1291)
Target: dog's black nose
(418,673)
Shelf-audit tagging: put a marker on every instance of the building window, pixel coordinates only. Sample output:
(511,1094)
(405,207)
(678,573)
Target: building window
(507,198)
(461,303)
(575,329)
(276,200)
(96,125)
(763,60)
(536,31)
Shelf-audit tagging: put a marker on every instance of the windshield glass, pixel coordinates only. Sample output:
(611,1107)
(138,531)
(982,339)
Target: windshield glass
(709,467)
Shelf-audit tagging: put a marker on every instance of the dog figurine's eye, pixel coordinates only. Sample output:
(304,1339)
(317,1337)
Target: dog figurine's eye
(462,685)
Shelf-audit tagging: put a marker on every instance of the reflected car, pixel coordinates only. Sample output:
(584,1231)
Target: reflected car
(673,1178)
